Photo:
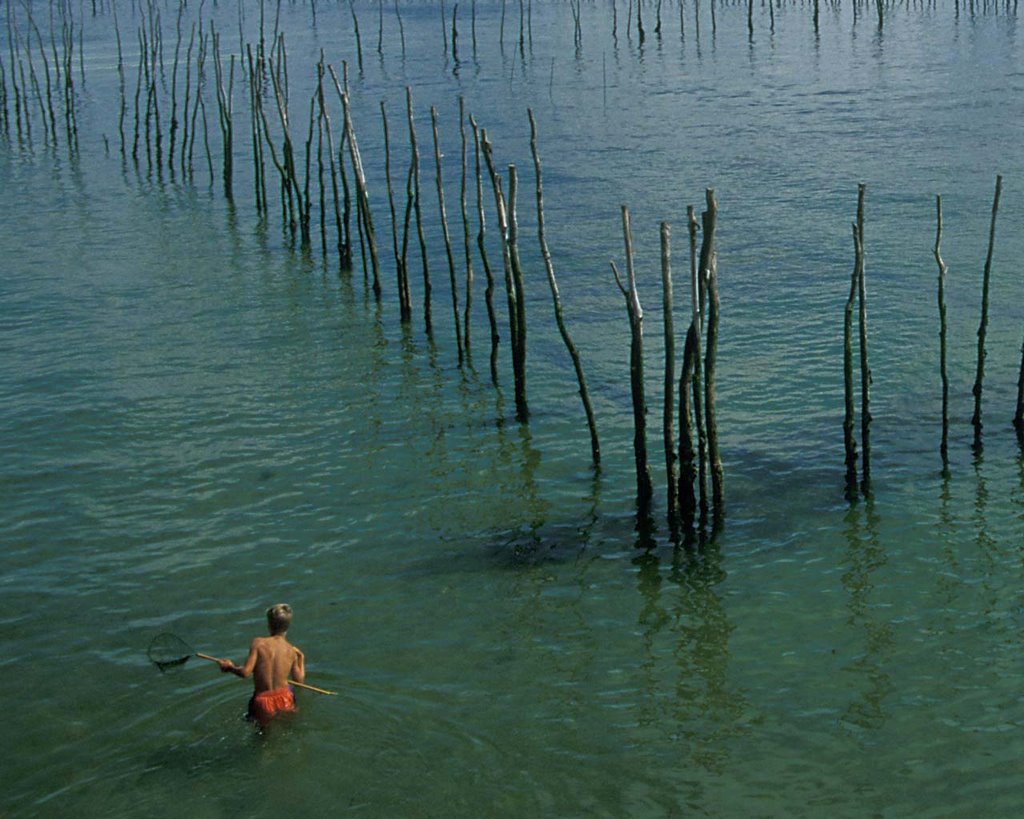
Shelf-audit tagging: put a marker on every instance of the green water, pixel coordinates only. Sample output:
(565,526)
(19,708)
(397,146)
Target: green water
(197,421)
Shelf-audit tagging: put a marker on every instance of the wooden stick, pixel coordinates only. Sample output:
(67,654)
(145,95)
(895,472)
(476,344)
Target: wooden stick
(595,447)
(522,410)
(849,441)
(482,247)
(865,369)
(944,446)
(415,160)
(698,368)
(404,302)
(445,233)
(290,682)
(710,273)
(506,256)
(668,414)
(467,242)
(365,220)
(983,327)
(689,396)
(644,488)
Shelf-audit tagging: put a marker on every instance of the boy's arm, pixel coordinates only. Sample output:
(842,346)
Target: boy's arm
(298,672)
(244,670)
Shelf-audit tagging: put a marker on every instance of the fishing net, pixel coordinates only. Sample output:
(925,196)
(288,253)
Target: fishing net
(169,651)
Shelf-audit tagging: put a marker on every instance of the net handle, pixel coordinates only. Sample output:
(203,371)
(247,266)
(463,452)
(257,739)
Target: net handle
(290,682)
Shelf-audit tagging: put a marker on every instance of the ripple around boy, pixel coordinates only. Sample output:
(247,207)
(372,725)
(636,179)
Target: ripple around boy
(272,661)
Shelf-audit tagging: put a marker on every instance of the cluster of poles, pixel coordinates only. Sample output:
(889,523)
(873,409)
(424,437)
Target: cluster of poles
(37,78)
(857,303)
(312,172)
(695,460)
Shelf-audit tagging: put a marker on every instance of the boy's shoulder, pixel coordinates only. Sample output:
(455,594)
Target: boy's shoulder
(270,642)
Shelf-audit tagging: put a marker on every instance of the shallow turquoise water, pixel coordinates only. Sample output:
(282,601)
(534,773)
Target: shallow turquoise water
(198,422)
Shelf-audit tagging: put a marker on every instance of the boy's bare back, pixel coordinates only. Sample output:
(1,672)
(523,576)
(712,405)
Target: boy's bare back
(274,662)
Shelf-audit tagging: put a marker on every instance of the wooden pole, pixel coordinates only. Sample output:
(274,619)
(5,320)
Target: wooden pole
(482,247)
(668,413)
(710,358)
(174,90)
(644,488)
(943,374)
(522,411)
(849,417)
(419,214)
(983,326)
(865,369)
(447,235)
(355,29)
(224,109)
(404,303)
(362,195)
(401,28)
(697,274)
(506,254)
(1018,416)
(595,447)
(689,395)
(466,240)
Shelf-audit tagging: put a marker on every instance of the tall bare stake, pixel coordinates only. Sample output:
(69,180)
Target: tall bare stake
(522,412)
(691,425)
(849,417)
(865,368)
(446,234)
(466,240)
(944,446)
(417,209)
(668,411)
(481,241)
(709,264)
(983,326)
(362,196)
(224,111)
(404,302)
(644,487)
(511,291)
(595,447)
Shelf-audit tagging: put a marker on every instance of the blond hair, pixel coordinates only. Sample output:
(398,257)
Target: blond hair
(279,618)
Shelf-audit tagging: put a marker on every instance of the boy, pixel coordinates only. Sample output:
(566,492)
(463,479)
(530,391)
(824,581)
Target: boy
(272,661)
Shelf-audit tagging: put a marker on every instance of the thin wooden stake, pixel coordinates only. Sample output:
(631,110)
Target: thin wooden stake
(690,394)
(447,235)
(668,412)
(522,411)
(710,274)
(415,160)
(943,374)
(865,369)
(644,487)
(466,240)
(482,247)
(506,254)
(404,304)
(983,326)
(595,447)
(362,196)
(849,416)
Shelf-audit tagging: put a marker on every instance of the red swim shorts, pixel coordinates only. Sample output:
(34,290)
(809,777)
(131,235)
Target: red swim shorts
(264,706)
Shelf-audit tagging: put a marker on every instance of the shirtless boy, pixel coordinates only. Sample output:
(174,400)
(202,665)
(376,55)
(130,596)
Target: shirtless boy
(272,661)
